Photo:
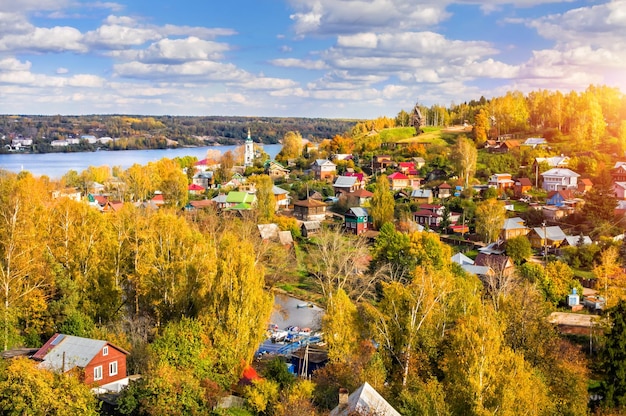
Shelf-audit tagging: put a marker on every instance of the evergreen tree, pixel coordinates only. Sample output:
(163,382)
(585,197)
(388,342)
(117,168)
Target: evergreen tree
(614,359)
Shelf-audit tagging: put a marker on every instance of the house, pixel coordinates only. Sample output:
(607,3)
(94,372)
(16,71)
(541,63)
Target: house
(102,363)
(360,178)
(468,265)
(237,200)
(194,189)
(364,401)
(345,184)
(461,259)
(554,213)
(203,178)
(282,197)
(398,181)
(443,191)
(619,172)
(158,200)
(268,231)
(206,164)
(501,181)
(408,168)
(546,236)
(201,204)
(513,227)
(577,240)
(359,197)
(309,228)
(356,221)
(309,210)
(522,185)
(560,178)
(419,162)
(324,169)
(112,206)
(584,185)
(422,196)
(535,142)
(620,209)
(620,190)
(558,198)
(220,201)
(69,193)
(498,263)
(285,238)
(381,162)
(275,170)
(551,162)
(505,146)
(431,215)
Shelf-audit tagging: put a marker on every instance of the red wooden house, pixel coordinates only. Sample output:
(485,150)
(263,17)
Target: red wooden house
(100,361)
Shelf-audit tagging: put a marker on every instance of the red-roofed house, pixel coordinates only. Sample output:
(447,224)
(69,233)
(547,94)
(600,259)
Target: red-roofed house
(102,362)
(359,197)
(407,167)
(585,185)
(158,199)
(398,180)
(195,189)
(444,190)
(112,206)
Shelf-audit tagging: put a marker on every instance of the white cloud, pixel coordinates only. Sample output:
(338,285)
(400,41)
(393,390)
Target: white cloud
(56,39)
(264,83)
(13,64)
(198,70)
(299,63)
(175,50)
(119,37)
(62,71)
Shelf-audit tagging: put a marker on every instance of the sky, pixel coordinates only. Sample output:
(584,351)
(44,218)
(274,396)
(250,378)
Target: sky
(356,59)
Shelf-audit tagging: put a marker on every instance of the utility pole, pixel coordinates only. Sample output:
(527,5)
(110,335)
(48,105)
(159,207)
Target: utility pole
(545,245)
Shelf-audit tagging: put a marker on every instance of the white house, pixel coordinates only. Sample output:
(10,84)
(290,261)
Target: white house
(558,179)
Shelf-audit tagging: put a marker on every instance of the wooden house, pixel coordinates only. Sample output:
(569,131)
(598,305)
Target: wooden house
(101,362)
(513,227)
(356,221)
(381,162)
(309,210)
(324,169)
(619,172)
(546,237)
(398,181)
(522,185)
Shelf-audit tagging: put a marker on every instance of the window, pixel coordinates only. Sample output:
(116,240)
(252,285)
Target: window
(105,350)
(97,373)
(113,368)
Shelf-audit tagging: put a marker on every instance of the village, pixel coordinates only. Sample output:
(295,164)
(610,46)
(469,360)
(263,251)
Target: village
(354,217)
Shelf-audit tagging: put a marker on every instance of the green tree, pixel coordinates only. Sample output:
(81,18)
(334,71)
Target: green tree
(382,203)
(613,358)
(518,249)
(391,251)
(490,217)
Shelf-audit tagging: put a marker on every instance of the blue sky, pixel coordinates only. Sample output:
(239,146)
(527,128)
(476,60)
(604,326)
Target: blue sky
(310,58)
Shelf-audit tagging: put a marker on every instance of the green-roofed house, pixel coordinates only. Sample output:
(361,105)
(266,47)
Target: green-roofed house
(236,200)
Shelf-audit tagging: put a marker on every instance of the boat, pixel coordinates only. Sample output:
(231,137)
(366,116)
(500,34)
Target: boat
(304,305)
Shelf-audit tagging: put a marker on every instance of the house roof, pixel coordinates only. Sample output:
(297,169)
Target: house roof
(362,193)
(574,240)
(618,164)
(525,182)
(310,203)
(397,176)
(586,182)
(553,233)
(444,185)
(564,193)
(477,270)
(194,187)
(561,172)
(365,400)
(285,237)
(499,261)
(220,199)
(326,162)
(619,184)
(534,141)
(554,161)
(421,193)
(203,203)
(311,225)
(410,165)
(358,176)
(345,181)
(460,258)
(237,197)
(277,190)
(358,212)
(513,224)
(207,174)
(425,213)
(68,351)
(268,231)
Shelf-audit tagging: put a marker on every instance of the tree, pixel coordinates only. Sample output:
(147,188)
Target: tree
(265,200)
(28,390)
(557,282)
(382,203)
(610,277)
(236,309)
(391,251)
(339,326)
(464,156)
(24,277)
(481,126)
(613,358)
(490,216)
(292,146)
(518,249)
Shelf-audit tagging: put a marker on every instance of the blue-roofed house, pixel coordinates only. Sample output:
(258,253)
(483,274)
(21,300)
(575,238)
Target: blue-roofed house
(356,220)
(422,196)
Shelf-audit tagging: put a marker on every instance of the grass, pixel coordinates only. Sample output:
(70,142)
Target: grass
(583,273)
(396,134)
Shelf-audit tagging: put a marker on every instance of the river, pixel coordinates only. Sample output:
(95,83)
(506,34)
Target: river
(55,165)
